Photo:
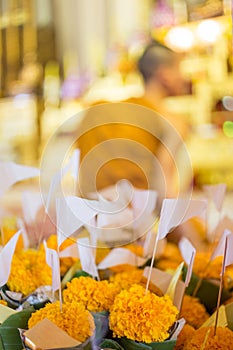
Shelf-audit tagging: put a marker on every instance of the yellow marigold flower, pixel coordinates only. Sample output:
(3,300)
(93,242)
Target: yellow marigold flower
(228,277)
(167,265)
(52,242)
(142,316)
(125,279)
(29,271)
(101,253)
(170,258)
(94,295)
(134,248)
(172,252)
(185,334)
(193,311)
(205,268)
(8,229)
(74,319)
(222,340)
(3,302)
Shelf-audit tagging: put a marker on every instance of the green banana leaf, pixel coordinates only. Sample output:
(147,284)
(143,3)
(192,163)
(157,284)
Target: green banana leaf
(9,333)
(19,319)
(10,339)
(1,344)
(110,344)
(133,345)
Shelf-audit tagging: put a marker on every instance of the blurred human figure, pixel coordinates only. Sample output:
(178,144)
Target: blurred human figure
(160,70)
(133,140)
(118,141)
(161,73)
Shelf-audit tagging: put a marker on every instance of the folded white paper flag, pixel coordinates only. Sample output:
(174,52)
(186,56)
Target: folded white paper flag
(144,201)
(219,250)
(224,223)
(119,256)
(188,252)
(216,193)
(6,256)
(177,211)
(121,191)
(224,248)
(229,252)
(92,229)
(31,203)
(22,228)
(69,252)
(87,257)
(10,173)
(73,165)
(143,205)
(74,212)
(52,259)
(116,220)
(149,243)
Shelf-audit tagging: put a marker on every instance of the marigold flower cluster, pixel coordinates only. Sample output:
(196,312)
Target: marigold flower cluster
(185,334)
(222,340)
(125,279)
(8,229)
(3,302)
(228,277)
(94,295)
(170,258)
(171,251)
(135,248)
(205,268)
(101,253)
(29,271)
(193,311)
(73,319)
(142,316)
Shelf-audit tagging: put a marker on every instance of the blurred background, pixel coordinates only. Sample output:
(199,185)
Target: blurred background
(59,56)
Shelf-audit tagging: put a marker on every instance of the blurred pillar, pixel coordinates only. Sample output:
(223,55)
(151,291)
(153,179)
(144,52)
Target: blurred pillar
(87,28)
(81,30)
(128,18)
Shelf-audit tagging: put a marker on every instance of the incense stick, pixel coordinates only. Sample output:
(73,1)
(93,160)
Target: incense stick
(60,288)
(152,263)
(220,286)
